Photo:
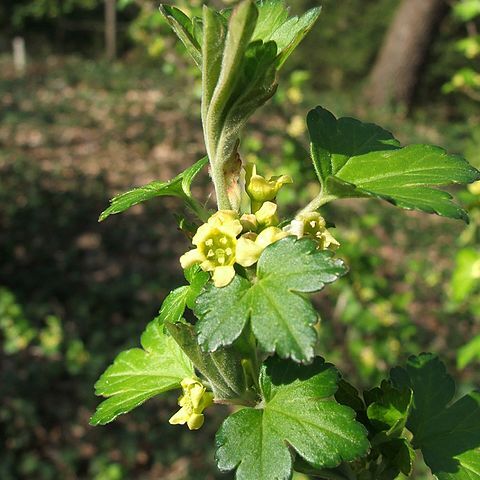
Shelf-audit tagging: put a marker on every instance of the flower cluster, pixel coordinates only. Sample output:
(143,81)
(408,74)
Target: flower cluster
(218,248)
(228,239)
(194,401)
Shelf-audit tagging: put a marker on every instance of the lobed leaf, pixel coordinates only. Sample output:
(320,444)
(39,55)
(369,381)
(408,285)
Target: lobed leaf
(141,373)
(355,159)
(282,318)
(297,413)
(448,435)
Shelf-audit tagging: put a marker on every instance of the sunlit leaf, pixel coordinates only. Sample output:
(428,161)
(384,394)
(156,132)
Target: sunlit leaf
(299,415)
(141,373)
(177,187)
(282,318)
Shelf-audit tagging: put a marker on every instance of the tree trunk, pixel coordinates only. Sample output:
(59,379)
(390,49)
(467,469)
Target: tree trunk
(395,73)
(110,29)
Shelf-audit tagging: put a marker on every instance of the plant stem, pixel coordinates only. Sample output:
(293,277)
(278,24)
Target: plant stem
(320,200)
(218,178)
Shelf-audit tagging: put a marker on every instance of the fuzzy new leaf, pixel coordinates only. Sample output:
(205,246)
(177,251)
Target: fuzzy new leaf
(141,373)
(282,318)
(184,27)
(223,368)
(297,411)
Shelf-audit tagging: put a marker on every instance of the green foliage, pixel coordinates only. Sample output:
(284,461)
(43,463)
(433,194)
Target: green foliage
(173,307)
(297,410)
(467,78)
(223,368)
(448,435)
(469,352)
(16,330)
(363,160)
(466,276)
(177,187)
(139,374)
(281,318)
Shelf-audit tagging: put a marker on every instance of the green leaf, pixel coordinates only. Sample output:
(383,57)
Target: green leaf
(241,27)
(448,435)
(139,374)
(297,411)
(400,457)
(466,276)
(334,142)
(282,318)
(177,187)
(214,33)
(223,369)
(274,25)
(174,305)
(272,14)
(292,32)
(353,159)
(184,28)
(389,407)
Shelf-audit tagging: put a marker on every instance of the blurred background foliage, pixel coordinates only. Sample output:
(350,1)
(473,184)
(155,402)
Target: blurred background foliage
(76,129)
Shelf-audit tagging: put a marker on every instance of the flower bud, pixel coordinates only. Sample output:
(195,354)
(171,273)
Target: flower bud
(259,189)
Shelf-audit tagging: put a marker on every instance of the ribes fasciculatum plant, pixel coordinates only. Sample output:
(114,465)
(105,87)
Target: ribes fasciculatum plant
(253,341)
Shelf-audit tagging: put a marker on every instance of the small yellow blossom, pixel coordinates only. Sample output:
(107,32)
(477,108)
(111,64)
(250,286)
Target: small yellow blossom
(313,225)
(260,189)
(193,402)
(216,243)
(474,188)
(264,217)
(250,246)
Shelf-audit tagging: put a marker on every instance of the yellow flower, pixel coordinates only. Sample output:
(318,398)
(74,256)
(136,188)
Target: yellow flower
(216,243)
(313,225)
(194,401)
(250,246)
(264,217)
(260,189)
(474,188)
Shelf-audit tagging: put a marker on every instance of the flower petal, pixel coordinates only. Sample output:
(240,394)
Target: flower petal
(267,214)
(203,233)
(195,421)
(248,251)
(270,235)
(222,276)
(180,418)
(191,258)
(222,217)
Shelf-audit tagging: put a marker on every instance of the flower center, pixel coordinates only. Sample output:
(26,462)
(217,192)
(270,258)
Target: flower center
(220,249)
(313,229)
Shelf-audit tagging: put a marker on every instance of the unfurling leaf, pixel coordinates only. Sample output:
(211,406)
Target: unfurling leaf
(282,318)
(298,411)
(141,373)
(177,187)
(354,159)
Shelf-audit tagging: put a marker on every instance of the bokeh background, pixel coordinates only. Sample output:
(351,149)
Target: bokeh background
(105,99)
